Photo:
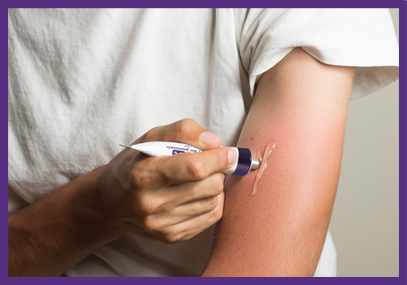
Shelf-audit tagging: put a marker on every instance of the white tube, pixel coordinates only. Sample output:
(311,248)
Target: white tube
(171,148)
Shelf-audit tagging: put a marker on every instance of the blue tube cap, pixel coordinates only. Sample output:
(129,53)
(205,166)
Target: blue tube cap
(244,162)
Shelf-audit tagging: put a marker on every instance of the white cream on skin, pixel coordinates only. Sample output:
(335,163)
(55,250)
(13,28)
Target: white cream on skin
(263,165)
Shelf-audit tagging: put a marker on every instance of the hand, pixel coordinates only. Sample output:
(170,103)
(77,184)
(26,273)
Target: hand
(168,198)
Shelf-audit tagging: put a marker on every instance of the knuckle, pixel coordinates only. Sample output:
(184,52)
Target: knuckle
(172,238)
(146,206)
(140,179)
(197,169)
(153,224)
(218,182)
(149,224)
(150,134)
(183,128)
(163,175)
(185,125)
(217,214)
(213,202)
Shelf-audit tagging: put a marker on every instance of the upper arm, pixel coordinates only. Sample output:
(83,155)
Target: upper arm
(300,106)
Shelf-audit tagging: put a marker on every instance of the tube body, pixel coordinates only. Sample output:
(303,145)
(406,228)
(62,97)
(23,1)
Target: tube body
(241,168)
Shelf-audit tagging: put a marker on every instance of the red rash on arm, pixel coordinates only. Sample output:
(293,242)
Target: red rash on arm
(300,106)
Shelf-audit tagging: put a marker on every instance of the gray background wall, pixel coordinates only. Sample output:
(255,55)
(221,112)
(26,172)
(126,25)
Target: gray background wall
(365,221)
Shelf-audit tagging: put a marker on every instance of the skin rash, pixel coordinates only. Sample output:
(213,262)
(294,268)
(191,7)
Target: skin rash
(281,231)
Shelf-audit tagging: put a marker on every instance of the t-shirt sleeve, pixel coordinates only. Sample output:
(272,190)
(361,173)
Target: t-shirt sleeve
(364,38)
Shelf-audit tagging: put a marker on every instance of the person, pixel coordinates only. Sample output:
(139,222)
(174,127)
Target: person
(82,81)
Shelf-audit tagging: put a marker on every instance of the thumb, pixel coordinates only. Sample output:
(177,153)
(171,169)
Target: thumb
(185,131)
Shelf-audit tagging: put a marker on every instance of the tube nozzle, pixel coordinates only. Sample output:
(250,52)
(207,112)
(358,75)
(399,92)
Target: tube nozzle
(255,163)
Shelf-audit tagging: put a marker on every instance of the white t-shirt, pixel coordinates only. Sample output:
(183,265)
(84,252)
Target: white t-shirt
(83,81)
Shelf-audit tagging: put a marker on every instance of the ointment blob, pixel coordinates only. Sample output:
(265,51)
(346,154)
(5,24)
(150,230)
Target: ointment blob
(263,165)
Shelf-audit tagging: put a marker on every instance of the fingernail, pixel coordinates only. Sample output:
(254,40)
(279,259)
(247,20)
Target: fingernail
(232,157)
(208,137)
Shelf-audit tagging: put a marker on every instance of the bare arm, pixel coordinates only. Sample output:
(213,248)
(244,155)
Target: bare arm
(300,106)
(56,232)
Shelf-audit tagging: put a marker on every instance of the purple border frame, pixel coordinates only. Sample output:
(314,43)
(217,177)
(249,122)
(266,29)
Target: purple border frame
(401,4)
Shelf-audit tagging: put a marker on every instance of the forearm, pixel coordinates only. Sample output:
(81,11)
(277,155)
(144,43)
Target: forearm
(58,231)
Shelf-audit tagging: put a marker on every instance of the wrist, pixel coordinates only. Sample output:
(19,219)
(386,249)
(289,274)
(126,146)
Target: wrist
(90,210)
(59,230)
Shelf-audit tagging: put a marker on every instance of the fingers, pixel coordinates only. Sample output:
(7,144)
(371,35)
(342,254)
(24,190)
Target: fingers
(176,197)
(190,228)
(186,193)
(184,131)
(161,220)
(176,204)
(157,172)
(169,231)
(189,167)
(167,170)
